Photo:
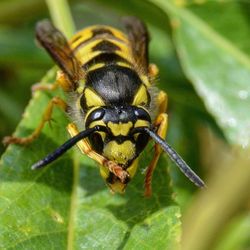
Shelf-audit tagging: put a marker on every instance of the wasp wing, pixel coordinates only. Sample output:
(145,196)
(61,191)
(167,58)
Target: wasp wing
(139,39)
(57,46)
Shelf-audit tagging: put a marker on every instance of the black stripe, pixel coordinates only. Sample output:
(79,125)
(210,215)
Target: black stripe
(100,31)
(76,39)
(107,58)
(82,43)
(106,46)
(95,36)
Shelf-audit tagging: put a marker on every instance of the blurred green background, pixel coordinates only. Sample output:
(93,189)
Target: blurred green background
(22,63)
(202,49)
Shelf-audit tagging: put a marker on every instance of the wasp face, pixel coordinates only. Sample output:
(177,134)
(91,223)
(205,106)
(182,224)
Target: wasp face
(117,141)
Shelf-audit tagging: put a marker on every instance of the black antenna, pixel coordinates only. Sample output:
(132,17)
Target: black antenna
(181,164)
(63,148)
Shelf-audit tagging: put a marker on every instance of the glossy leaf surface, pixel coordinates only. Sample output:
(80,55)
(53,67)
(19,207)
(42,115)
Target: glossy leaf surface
(218,69)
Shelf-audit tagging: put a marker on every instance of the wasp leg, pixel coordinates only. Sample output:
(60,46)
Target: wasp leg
(162,101)
(44,87)
(162,124)
(56,101)
(86,148)
(61,81)
(153,70)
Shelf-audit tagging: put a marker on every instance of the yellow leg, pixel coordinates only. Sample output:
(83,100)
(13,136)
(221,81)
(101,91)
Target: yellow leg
(162,101)
(162,123)
(153,70)
(85,148)
(44,86)
(61,81)
(56,101)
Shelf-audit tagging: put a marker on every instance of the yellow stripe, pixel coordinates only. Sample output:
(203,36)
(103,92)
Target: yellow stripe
(141,97)
(84,58)
(117,33)
(120,128)
(126,55)
(123,46)
(92,98)
(96,66)
(87,33)
(141,123)
(84,35)
(123,64)
(85,53)
(95,123)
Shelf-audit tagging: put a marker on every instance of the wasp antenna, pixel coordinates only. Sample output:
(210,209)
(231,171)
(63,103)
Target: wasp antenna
(63,148)
(176,158)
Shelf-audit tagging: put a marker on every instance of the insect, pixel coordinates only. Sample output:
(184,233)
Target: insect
(114,105)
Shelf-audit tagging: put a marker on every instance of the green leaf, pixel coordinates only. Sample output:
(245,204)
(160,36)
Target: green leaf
(234,17)
(67,205)
(219,71)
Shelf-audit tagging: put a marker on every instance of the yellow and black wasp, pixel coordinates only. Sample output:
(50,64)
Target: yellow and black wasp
(114,105)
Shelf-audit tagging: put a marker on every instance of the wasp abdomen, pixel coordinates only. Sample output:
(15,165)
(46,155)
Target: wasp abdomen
(98,46)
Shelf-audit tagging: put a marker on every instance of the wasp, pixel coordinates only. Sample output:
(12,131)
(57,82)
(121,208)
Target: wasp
(113,102)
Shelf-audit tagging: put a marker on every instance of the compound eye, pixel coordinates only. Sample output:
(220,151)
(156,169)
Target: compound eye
(96,142)
(141,141)
(142,114)
(95,115)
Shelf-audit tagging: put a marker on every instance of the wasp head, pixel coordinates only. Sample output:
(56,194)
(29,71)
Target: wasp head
(118,141)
